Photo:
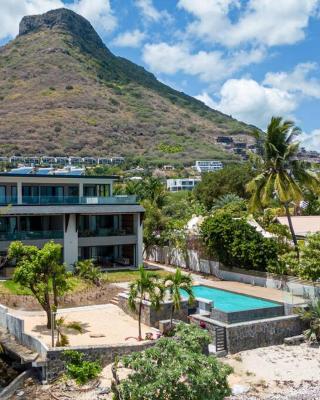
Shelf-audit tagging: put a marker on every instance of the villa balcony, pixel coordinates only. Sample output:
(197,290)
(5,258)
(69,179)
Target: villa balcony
(30,235)
(105,232)
(57,200)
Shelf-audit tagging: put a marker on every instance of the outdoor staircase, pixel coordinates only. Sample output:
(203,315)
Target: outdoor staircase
(115,300)
(220,334)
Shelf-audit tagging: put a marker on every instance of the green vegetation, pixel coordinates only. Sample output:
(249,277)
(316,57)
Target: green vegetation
(145,287)
(236,243)
(170,149)
(40,271)
(231,179)
(79,369)
(173,283)
(111,105)
(61,327)
(86,270)
(283,176)
(308,265)
(312,316)
(175,368)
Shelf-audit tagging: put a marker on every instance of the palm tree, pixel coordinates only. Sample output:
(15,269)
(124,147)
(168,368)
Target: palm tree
(283,176)
(174,283)
(145,287)
(61,327)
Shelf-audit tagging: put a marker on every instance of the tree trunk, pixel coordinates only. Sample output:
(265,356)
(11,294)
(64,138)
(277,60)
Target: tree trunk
(55,294)
(139,319)
(171,315)
(294,238)
(48,312)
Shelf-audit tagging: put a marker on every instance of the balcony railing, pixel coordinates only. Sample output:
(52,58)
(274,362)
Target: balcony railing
(8,200)
(54,200)
(101,232)
(30,235)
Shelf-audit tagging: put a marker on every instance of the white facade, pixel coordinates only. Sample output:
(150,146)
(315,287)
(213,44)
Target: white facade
(175,185)
(208,166)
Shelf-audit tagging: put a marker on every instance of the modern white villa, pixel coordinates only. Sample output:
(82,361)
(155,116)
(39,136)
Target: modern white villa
(77,211)
(208,166)
(175,185)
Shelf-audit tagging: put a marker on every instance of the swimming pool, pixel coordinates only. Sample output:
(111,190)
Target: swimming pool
(230,302)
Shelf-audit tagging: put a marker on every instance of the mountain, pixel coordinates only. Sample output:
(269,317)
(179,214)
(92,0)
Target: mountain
(63,92)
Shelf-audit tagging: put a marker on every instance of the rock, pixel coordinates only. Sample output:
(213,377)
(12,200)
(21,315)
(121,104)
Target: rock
(294,340)
(20,393)
(97,335)
(239,389)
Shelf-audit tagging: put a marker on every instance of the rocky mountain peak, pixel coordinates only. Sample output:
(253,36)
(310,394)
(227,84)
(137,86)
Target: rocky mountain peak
(60,19)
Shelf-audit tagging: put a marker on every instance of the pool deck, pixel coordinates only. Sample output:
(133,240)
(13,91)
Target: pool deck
(238,287)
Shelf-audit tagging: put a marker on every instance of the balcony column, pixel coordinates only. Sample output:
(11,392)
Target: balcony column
(19,192)
(139,233)
(70,241)
(80,190)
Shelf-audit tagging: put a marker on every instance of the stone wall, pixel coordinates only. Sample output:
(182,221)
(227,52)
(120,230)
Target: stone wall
(150,316)
(106,354)
(255,334)
(247,315)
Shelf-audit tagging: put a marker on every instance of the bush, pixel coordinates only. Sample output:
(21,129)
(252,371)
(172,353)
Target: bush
(79,369)
(175,368)
(69,87)
(236,243)
(87,270)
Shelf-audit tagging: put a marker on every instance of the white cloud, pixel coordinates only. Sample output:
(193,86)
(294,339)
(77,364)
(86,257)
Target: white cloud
(260,21)
(210,66)
(255,103)
(297,81)
(129,39)
(98,12)
(248,101)
(150,12)
(311,140)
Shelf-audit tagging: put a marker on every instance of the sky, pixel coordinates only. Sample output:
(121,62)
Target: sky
(251,59)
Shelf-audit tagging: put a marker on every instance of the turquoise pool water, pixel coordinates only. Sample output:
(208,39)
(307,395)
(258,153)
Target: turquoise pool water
(229,301)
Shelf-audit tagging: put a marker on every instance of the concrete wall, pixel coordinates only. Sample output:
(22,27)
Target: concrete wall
(15,326)
(105,354)
(150,316)
(290,285)
(70,246)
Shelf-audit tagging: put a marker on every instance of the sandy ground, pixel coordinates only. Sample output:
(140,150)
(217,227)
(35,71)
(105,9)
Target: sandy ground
(273,369)
(102,324)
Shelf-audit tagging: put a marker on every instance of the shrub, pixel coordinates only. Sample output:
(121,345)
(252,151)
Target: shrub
(88,271)
(79,369)
(236,243)
(175,368)
(69,87)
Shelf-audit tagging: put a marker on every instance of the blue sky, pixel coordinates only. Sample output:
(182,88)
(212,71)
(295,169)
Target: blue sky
(248,58)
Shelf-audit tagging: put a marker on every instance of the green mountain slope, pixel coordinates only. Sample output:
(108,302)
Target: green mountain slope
(63,92)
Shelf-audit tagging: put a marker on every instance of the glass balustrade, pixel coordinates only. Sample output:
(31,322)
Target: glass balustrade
(30,235)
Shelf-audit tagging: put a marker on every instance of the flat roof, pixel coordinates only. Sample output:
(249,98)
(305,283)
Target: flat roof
(303,225)
(114,177)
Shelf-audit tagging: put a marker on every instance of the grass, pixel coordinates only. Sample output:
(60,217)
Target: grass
(76,284)
(127,276)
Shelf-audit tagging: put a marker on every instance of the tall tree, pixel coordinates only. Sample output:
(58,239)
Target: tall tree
(146,287)
(41,271)
(174,283)
(283,176)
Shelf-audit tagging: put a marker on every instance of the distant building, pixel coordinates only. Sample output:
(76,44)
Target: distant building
(224,139)
(240,145)
(176,185)
(168,167)
(105,161)
(208,166)
(117,160)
